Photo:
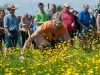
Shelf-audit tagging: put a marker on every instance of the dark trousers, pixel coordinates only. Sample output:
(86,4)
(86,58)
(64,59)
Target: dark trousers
(2,37)
(24,36)
(71,35)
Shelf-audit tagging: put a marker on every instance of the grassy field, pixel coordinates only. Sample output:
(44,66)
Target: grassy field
(60,61)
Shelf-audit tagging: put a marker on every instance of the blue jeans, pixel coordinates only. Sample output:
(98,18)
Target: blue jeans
(11,41)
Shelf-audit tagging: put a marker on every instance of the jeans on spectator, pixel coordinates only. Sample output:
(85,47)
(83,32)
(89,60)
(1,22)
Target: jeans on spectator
(24,36)
(11,41)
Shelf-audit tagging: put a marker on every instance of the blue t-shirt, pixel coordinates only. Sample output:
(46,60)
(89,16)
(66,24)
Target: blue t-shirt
(84,17)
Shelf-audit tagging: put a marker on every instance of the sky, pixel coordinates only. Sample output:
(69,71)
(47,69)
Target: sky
(31,6)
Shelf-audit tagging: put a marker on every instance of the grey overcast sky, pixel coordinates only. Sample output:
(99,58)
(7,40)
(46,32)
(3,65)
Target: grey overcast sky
(26,6)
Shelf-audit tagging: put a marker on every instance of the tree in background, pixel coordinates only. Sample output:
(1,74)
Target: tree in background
(4,7)
(59,8)
(95,7)
(98,5)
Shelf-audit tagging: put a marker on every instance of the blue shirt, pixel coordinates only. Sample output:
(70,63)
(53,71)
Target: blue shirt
(84,17)
(10,22)
(33,27)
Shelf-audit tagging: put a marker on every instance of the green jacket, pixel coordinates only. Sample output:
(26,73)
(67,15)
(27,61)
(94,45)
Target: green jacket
(93,21)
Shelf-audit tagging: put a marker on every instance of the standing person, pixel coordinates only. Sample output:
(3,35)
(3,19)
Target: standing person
(76,20)
(35,21)
(94,24)
(29,17)
(91,15)
(19,34)
(24,27)
(77,23)
(85,25)
(50,31)
(18,19)
(98,22)
(52,11)
(72,10)
(11,28)
(26,16)
(41,16)
(74,28)
(2,14)
(84,20)
(93,19)
(69,20)
(32,25)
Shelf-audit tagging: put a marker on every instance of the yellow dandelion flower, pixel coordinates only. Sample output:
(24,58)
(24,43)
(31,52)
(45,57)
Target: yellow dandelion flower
(10,73)
(0,64)
(34,74)
(48,74)
(96,67)
(7,64)
(0,61)
(90,71)
(7,70)
(23,71)
(76,73)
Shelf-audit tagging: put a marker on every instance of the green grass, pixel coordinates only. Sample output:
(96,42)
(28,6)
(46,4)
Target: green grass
(73,61)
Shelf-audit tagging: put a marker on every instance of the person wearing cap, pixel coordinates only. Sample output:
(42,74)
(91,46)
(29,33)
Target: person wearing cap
(2,14)
(48,33)
(69,20)
(11,29)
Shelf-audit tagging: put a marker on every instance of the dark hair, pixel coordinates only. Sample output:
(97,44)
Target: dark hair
(96,10)
(40,4)
(75,11)
(53,5)
(2,11)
